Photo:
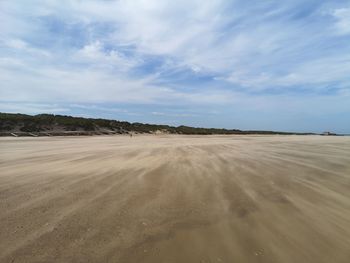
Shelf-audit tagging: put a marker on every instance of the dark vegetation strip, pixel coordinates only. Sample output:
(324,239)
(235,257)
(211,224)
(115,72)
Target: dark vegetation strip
(55,125)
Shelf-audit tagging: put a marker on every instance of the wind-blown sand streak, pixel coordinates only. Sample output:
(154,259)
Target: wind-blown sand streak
(175,199)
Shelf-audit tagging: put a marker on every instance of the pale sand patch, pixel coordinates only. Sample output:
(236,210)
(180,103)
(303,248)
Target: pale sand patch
(175,199)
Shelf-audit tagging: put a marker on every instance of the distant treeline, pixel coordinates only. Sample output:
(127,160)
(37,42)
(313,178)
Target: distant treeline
(48,122)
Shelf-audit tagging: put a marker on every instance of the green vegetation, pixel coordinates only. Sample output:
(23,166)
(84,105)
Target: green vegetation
(48,122)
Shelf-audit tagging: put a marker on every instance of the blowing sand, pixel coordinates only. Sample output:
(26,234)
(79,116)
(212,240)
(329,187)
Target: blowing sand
(175,199)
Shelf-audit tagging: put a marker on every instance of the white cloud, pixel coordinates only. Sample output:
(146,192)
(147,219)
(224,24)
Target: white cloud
(98,108)
(91,85)
(342,16)
(18,45)
(31,108)
(157,113)
(94,55)
(253,46)
(318,72)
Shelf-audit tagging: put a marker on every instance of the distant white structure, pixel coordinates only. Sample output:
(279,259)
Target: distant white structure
(327,133)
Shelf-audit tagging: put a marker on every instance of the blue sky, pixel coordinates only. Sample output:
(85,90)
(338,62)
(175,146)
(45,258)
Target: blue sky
(268,65)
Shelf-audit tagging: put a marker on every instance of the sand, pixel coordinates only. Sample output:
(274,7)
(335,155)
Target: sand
(163,198)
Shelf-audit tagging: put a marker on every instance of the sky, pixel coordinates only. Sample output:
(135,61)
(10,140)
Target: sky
(252,65)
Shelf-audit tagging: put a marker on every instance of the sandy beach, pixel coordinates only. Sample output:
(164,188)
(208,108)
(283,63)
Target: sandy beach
(169,198)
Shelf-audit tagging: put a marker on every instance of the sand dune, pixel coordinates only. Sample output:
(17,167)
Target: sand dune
(175,199)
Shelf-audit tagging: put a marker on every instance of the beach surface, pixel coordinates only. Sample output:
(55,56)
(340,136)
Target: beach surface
(172,198)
